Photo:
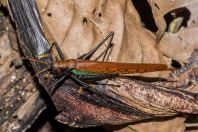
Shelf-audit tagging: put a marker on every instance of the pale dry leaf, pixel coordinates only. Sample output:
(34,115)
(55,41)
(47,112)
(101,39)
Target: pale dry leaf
(180,45)
(5,55)
(68,24)
(161,7)
(174,125)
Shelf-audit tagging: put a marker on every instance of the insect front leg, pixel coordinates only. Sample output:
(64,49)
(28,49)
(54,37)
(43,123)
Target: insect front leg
(55,84)
(60,53)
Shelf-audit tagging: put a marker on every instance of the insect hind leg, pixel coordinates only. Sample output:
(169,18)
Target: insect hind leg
(85,85)
(88,55)
(106,53)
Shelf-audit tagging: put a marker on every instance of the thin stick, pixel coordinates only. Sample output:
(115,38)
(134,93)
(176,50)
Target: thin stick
(106,44)
(191,124)
(99,29)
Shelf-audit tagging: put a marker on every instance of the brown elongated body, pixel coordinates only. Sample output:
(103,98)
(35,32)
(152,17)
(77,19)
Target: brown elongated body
(109,67)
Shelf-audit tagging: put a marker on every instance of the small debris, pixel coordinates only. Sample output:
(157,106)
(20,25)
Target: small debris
(18,98)
(22,93)
(7,99)
(24,80)
(7,112)
(17,63)
(1,109)
(13,78)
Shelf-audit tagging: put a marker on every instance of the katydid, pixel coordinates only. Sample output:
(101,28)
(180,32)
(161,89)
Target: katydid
(84,69)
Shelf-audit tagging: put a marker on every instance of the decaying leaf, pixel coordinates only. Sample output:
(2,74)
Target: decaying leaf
(177,45)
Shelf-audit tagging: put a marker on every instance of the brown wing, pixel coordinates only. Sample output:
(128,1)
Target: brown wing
(115,67)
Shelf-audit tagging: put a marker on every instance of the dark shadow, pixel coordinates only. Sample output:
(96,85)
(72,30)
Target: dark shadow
(193,120)
(175,64)
(145,13)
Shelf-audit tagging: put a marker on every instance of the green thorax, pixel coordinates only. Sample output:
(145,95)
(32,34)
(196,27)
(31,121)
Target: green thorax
(83,73)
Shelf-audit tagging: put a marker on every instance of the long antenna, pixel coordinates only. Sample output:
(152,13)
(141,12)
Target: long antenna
(31,59)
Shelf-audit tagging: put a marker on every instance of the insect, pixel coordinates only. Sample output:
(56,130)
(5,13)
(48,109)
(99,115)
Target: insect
(83,69)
